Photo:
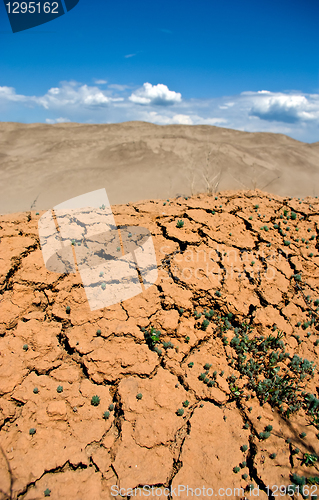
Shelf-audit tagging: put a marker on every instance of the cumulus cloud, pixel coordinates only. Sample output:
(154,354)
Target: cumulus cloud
(100,82)
(284,108)
(57,120)
(155,95)
(70,95)
(9,94)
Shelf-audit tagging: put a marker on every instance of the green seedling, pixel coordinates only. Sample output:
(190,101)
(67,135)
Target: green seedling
(25,347)
(185,403)
(32,431)
(205,324)
(95,401)
(35,390)
(59,388)
(139,395)
(309,459)
(47,492)
(180,223)
(111,407)
(68,309)
(180,412)
(106,415)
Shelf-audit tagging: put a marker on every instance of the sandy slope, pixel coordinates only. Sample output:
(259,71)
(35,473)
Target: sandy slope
(42,165)
(217,441)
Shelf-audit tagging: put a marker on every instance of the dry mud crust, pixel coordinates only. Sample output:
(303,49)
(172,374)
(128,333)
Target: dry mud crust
(205,380)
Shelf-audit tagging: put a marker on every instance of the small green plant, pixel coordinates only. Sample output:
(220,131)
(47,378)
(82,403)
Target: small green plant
(246,426)
(139,395)
(264,435)
(180,412)
(187,339)
(106,415)
(244,476)
(32,431)
(59,388)
(185,403)
(98,332)
(180,223)
(95,401)
(268,428)
(68,309)
(111,407)
(191,364)
(236,469)
(35,390)
(218,294)
(47,492)
(25,347)
(244,447)
(205,324)
(303,435)
(272,456)
(103,286)
(207,366)
(309,459)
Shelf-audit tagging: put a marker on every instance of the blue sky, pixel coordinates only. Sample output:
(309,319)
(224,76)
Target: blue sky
(246,65)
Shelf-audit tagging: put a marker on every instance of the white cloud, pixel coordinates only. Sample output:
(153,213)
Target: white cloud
(130,55)
(9,94)
(57,120)
(100,82)
(69,95)
(285,108)
(155,95)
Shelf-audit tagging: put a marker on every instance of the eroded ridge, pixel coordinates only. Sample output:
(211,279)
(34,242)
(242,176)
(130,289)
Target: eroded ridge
(207,379)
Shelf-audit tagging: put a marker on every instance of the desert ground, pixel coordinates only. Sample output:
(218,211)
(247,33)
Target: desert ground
(208,380)
(206,383)
(43,165)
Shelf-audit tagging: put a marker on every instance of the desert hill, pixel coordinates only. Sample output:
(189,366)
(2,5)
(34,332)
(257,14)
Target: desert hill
(43,165)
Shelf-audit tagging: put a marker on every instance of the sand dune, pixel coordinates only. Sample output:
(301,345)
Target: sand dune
(42,165)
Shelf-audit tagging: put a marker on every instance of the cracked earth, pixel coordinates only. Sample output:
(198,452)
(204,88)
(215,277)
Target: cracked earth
(178,409)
